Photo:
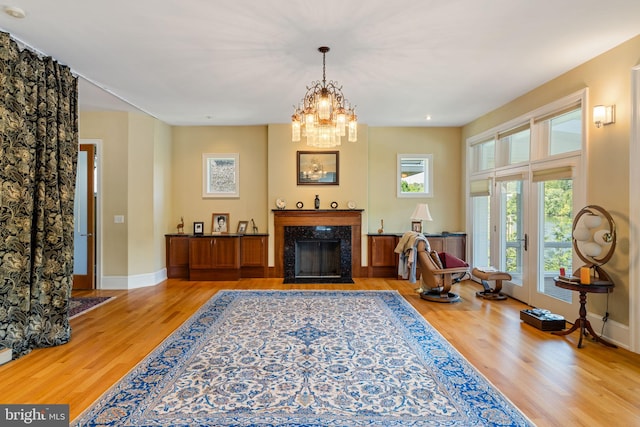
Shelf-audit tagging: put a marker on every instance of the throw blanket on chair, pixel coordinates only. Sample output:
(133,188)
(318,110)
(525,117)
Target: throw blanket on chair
(407,248)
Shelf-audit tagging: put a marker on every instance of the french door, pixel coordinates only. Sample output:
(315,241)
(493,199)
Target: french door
(512,234)
(552,250)
(533,238)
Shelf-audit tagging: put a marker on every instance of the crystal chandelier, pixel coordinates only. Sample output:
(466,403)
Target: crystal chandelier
(324,115)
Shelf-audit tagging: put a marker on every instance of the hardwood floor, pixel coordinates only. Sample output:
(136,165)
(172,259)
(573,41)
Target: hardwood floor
(546,376)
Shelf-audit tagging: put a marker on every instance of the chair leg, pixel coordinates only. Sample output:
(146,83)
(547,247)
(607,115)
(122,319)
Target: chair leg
(491,294)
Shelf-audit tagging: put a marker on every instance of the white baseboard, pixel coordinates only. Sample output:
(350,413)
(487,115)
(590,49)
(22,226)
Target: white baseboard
(614,332)
(133,282)
(6,354)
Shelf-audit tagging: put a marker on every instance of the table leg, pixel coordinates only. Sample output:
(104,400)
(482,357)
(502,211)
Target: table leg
(597,338)
(583,323)
(575,326)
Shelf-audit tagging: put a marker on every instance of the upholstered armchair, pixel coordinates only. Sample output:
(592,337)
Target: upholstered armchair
(436,279)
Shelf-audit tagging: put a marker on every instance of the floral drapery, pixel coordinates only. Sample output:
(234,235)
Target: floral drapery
(38,153)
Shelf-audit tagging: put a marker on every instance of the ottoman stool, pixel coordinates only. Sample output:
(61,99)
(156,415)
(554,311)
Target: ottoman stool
(491,274)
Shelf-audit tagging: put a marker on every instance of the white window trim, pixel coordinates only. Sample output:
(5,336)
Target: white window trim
(429,175)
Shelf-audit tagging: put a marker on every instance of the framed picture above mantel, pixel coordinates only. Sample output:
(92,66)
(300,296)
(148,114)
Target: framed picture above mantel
(318,167)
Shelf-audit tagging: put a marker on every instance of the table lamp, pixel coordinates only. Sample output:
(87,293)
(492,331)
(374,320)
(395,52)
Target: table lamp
(420,213)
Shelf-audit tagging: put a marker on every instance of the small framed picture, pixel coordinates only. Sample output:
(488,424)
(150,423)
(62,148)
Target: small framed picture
(242,227)
(198,228)
(416,226)
(220,223)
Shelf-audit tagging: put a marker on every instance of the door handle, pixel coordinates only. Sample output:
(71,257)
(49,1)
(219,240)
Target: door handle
(86,235)
(526,241)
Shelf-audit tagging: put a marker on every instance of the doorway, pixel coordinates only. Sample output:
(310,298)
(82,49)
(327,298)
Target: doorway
(84,235)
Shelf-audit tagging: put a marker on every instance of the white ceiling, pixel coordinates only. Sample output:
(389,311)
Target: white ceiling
(245,62)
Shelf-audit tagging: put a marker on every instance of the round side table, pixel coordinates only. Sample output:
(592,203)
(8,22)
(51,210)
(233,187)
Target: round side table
(596,286)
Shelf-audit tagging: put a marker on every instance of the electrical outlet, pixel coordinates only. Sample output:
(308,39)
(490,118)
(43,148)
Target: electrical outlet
(118,219)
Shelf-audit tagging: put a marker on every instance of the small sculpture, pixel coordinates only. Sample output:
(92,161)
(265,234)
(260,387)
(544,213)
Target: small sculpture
(253,226)
(381,229)
(180,226)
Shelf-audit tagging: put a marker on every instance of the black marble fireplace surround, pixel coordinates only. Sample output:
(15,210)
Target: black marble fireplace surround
(324,254)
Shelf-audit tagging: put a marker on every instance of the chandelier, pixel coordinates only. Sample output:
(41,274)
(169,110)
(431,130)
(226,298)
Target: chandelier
(324,115)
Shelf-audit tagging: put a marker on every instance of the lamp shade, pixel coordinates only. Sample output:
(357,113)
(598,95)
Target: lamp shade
(592,221)
(421,212)
(592,249)
(582,234)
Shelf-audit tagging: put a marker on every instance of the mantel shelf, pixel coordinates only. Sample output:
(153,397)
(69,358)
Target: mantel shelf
(317,210)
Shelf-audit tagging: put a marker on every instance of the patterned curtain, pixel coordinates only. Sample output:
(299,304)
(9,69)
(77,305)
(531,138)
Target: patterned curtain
(38,153)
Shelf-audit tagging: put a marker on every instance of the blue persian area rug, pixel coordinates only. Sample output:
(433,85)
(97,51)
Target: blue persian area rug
(304,358)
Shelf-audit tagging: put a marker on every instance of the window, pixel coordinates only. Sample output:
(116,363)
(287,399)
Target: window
(483,156)
(513,145)
(415,175)
(565,133)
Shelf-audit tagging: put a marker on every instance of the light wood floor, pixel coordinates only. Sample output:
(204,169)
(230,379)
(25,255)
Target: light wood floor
(546,376)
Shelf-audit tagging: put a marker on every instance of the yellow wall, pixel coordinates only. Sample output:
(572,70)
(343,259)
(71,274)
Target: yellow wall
(608,78)
(384,146)
(113,129)
(135,179)
(188,145)
(282,182)
(163,219)
(140,209)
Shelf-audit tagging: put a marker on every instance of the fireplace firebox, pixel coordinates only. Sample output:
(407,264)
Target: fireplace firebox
(317,254)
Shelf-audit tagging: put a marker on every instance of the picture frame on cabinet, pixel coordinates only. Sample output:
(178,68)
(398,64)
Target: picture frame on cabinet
(219,223)
(242,227)
(318,167)
(220,175)
(416,226)
(198,228)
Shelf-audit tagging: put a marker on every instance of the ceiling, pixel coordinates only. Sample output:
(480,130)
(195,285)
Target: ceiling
(247,62)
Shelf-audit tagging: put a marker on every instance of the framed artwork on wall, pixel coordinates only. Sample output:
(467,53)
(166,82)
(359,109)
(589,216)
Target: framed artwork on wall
(220,223)
(318,168)
(220,175)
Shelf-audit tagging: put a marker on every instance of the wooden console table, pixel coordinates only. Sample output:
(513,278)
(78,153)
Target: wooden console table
(596,286)
(383,261)
(216,257)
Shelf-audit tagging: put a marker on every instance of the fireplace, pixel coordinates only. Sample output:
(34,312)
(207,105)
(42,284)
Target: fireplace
(317,254)
(350,218)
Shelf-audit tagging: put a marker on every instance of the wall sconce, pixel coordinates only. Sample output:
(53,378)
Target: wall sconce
(604,115)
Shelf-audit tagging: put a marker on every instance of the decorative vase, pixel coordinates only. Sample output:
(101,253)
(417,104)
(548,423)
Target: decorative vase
(317,202)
